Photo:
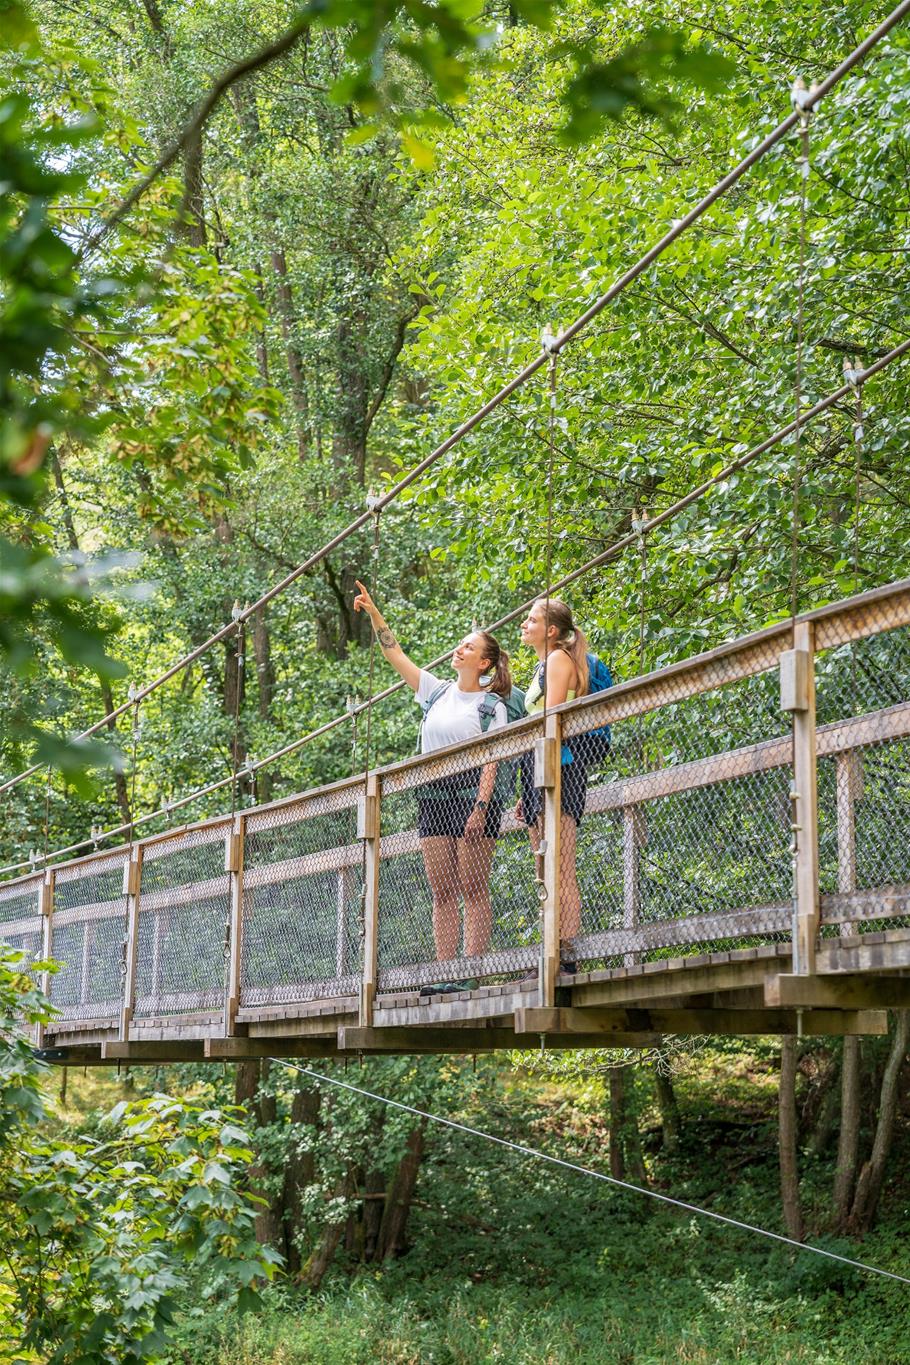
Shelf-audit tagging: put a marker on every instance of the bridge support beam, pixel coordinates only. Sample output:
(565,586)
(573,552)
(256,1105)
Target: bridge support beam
(608,1026)
(467,1041)
(840,991)
(132,877)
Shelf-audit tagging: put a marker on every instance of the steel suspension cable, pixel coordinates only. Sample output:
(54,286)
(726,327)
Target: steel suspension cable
(605,556)
(679,227)
(535,1154)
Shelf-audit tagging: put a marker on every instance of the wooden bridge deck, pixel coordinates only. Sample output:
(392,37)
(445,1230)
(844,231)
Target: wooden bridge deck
(303,928)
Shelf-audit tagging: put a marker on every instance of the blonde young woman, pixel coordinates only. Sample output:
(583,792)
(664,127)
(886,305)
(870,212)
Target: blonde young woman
(561,674)
(458,817)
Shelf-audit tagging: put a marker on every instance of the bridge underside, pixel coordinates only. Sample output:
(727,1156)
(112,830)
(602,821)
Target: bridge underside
(738,993)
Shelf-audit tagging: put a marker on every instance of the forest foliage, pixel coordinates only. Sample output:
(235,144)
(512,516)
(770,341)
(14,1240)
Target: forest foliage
(300,308)
(298,297)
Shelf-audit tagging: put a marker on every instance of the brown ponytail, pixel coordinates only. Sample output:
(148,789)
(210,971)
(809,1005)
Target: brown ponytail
(569,639)
(498,660)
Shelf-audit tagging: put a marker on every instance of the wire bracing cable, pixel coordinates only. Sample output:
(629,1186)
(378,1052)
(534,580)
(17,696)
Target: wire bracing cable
(679,227)
(534,1154)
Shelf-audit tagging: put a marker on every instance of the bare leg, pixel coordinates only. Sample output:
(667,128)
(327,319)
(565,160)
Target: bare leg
(442,873)
(475,858)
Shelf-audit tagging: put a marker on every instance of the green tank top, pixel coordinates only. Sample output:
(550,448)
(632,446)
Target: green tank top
(534,698)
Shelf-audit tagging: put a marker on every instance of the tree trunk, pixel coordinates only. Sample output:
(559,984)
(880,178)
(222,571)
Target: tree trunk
(300,1171)
(265,678)
(393,1232)
(313,1272)
(871,1177)
(269,1228)
(670,1121)
(617,1121)
(848,1138)
(121,790)
(789,1173)
(374,1184)
(293,356)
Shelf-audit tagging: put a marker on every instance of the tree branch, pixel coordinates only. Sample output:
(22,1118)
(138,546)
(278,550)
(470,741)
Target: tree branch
(192,130)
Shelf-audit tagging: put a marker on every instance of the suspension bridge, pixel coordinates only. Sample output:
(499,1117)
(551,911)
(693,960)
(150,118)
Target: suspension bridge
(742,865)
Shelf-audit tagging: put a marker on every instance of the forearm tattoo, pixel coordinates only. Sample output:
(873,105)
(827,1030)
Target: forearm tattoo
(386,638)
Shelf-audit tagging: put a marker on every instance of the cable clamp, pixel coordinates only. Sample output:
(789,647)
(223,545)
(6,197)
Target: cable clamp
(350,705)
(373,500)
(853,375)
(236,610)
(800,95)
(132,692)
(549,341)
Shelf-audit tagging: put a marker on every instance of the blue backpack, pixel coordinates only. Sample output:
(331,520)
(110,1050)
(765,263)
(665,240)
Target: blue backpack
(593,746)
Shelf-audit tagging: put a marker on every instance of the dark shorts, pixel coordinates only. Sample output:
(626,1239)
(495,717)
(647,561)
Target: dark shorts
(444,814)
(574,790)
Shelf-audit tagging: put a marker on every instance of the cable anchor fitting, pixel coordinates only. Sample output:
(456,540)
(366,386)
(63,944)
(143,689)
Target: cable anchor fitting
(549,340)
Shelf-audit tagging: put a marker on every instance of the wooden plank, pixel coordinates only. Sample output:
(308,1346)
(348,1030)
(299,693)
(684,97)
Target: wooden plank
(233,861)
(237,1048)
(445,1010)
(132,880)
(840,991)
(739,1023)
(805,773)
(458,968)
(469,1041)
(46,910)
(548,774)
(339,1004)
(168,1050)
(757,920)
(90,914)
(641,989)
(316,1026)
(369,829)
(870,613)
(885,952)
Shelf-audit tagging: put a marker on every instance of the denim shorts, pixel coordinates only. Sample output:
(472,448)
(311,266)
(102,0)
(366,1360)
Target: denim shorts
(574,780)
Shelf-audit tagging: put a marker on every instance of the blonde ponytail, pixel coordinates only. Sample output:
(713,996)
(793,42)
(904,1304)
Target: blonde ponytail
(569,638)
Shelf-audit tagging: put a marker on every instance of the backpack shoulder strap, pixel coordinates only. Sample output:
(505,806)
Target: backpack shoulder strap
(433,698)
(487,710)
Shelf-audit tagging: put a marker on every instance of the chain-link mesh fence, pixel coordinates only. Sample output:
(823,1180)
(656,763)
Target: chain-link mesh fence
(863,699)
(457,894)
(20,917)
(87,938)
(676,838)
(302,900)
(184,907)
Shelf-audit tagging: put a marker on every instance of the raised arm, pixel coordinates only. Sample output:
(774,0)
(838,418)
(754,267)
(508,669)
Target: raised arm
(386,640)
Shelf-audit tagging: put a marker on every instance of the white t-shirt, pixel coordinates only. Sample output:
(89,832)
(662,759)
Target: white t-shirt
(455,716)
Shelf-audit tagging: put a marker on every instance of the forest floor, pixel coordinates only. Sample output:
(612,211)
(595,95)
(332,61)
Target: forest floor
(518,1262)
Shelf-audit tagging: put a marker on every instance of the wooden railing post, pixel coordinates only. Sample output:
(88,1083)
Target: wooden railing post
(548,775)
(46,910)
(368,826)
(233,865)
(132,876)
(797,688)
